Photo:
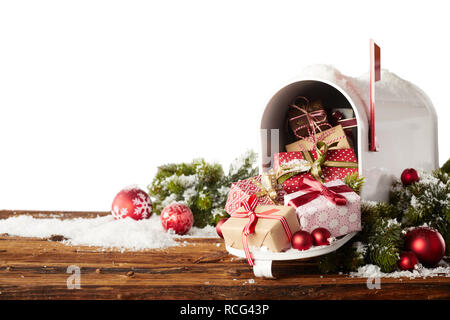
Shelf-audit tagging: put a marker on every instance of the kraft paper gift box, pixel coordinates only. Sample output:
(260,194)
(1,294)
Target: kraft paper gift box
(321,212)
(330,136)
(243,189)
(268,232)
(330,173)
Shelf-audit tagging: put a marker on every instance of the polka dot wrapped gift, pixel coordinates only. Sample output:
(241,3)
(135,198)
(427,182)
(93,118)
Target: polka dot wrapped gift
(338,164)
(332,205)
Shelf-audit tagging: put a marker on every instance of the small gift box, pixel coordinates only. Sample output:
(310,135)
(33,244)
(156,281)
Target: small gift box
(307,118)
(345,118)
(322,164)
(335,137)
(264,186)
(256,226)
(333,206)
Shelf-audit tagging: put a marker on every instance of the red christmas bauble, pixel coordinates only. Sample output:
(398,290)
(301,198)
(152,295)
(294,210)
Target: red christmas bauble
(133,203)
(219,225)
(177,217)
(320,237)
(408,260)
(427,244)
(302,240)
(409,176)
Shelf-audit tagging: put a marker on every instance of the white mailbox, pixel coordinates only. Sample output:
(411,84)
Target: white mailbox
(405,123)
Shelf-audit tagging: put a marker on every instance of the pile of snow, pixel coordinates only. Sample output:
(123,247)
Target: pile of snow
(105,232)
(373,271)
(392,87)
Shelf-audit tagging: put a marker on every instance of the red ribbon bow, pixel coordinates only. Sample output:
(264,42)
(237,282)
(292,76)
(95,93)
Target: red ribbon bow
(317,189)
(250,206)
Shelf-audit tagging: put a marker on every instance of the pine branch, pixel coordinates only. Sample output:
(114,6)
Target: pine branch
(446,167)
(200,185)
(348,258)
(354,181)
(243,167)
(329,263)
(384,244)
(423,203)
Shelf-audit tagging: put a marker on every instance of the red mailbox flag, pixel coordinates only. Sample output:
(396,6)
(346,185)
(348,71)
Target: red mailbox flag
(375,75)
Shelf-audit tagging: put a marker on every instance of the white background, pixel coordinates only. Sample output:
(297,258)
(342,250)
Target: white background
(94,95)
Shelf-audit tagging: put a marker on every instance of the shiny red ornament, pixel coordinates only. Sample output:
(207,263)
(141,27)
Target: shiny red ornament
(219,225)
(427,244)
(177,217)
(302,240)
(408,261)
(320,237)
(133,203)
(409,176)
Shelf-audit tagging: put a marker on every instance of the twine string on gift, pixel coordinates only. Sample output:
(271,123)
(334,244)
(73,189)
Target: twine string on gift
(249,207)
(315,119)
(321,136)
(316,189)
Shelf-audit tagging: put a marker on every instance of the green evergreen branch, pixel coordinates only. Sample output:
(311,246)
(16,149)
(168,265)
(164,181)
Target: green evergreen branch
(200,185)
(354,181)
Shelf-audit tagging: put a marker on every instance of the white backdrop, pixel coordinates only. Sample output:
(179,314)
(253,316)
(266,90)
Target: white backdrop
(94,95)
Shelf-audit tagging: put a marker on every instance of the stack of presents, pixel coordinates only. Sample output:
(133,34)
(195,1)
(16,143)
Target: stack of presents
(304,190)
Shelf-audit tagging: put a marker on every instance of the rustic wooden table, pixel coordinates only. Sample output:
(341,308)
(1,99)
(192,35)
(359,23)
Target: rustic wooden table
(33,268)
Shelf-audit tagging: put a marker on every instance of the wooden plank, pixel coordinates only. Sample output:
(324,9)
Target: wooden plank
(52,214)
(32,268)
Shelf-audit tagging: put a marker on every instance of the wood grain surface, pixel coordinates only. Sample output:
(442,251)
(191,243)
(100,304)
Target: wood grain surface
(32,268)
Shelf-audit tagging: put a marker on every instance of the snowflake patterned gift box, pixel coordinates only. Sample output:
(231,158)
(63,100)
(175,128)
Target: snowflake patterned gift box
(338,164)
(332,205)
(240,191)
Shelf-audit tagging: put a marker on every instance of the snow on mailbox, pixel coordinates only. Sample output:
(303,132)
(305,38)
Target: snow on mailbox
(405,123)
